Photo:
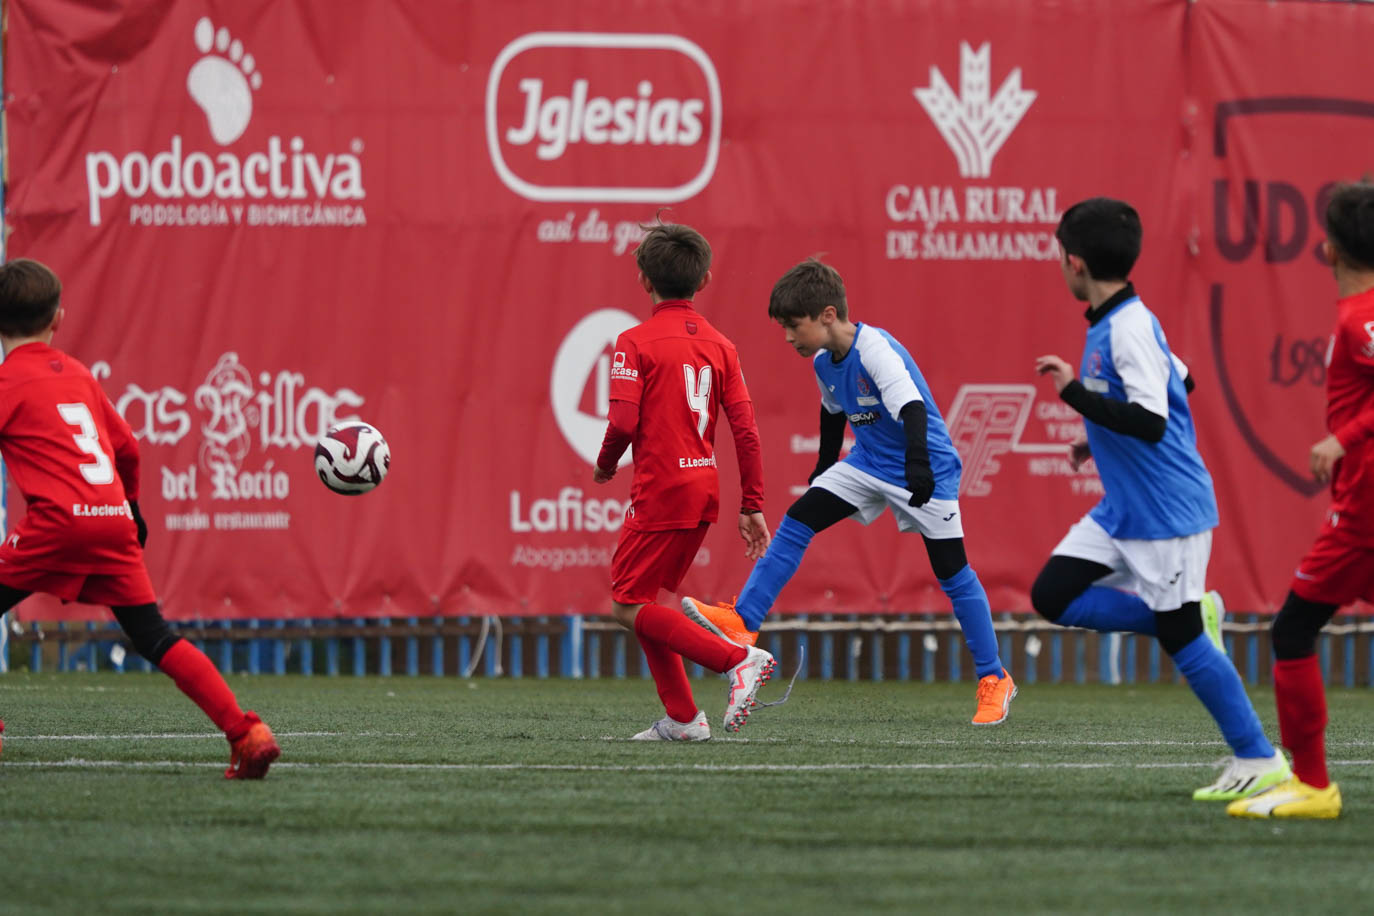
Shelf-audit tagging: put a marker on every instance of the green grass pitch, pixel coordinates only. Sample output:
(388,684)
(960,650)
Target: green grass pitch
(401,795)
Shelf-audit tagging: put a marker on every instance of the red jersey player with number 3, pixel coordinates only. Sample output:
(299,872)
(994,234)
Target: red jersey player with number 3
(75,460)
(670,378)
(1339,568)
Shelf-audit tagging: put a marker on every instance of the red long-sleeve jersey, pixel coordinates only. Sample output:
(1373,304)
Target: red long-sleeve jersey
(680,372)
(1350,415)
(75,461)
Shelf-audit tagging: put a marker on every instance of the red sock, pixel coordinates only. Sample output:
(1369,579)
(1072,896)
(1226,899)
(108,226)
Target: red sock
(674,630)
(1301,698)
(670,678)
(198,678)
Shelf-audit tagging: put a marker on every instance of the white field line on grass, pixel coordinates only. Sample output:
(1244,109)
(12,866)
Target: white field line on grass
(200,736)
(79,763)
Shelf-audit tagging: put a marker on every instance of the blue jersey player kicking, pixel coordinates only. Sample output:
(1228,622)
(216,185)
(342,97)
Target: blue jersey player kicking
(1138,560)
(902,459)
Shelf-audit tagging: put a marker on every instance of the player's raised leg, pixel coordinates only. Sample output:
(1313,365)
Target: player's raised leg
(813,512)
(252,745)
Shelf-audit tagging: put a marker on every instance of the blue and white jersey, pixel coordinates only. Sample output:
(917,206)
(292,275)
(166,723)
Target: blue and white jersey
(871,384)
(1151,490)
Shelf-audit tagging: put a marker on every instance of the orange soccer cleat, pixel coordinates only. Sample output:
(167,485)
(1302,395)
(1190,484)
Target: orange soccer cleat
(253,750)
(994,699)
(721,620)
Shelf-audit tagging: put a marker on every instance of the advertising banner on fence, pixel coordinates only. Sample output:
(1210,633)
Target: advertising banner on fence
(272,217)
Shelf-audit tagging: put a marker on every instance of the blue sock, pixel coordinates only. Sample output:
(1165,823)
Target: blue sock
(1109,610)
(975,619)
(1217,684)
(772,571)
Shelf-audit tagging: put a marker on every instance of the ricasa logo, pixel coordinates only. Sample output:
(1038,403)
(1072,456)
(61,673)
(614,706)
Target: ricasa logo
(580,387)
(592,116)
(283,184)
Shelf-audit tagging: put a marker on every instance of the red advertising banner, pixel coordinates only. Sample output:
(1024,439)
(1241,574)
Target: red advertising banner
(270,217)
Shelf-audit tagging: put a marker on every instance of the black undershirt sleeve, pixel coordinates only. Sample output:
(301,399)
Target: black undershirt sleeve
(1125,417)
(832,440)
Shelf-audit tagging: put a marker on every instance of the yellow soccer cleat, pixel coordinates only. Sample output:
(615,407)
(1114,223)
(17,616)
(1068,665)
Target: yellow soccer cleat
(994,699)
(721,620)
(1293,798)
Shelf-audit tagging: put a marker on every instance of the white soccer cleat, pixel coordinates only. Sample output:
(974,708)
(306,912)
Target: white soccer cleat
(670,729)
(745,680)
(1244,776)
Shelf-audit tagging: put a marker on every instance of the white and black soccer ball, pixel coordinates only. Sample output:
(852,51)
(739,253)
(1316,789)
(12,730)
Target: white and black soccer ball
(352,458)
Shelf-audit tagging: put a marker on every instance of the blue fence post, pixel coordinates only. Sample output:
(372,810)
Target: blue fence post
(359,651)
(413,648)
(1080,658)
(956,658)
(1004,649)
(436,650)
(307,648)
(904,651)
(930,644)
(541,650)
(331,650)
(91,646)
(827,639)
(1057,658)
(63,663)
(464,650)
(803,646)
(254,650)
(516,668)
(384,650)
(36,649)
(491,654)
(279,649)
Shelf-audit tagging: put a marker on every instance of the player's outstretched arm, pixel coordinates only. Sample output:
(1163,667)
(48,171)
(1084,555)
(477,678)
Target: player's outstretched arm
(920,479)
(1125,417)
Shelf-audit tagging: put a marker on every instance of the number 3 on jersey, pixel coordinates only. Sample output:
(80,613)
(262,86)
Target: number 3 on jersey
(100,471)
(699,394)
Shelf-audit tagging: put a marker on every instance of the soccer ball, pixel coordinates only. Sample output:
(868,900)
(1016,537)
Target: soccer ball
(352,458)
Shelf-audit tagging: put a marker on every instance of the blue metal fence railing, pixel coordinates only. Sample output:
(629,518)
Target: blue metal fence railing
(925,647)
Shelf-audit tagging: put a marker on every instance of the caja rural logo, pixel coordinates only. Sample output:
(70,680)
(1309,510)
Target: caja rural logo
(1270,305)
(605,117)
(281,183)
(975,220)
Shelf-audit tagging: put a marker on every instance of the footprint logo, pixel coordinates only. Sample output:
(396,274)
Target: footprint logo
(222,82)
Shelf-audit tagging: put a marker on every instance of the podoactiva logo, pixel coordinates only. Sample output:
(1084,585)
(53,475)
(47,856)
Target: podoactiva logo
(1272,300)
(282,183)
(580,387)
(594,116)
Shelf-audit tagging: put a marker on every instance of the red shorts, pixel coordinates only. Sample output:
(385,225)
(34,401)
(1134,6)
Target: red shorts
(121,589)
(1337,570)
(646,561)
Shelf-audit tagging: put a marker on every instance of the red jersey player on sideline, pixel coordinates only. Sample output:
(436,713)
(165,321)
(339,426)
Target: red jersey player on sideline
(669,378)
(1339,568)
(75,460)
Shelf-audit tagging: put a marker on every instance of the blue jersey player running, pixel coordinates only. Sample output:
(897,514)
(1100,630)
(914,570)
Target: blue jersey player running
(1138,560)
(902,459)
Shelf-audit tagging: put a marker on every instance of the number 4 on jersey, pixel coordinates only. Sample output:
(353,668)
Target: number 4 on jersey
(100,471)
(699,394)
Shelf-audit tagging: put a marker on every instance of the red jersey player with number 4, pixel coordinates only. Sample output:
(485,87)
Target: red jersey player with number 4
(670,378)
(75,460)
(1339,568)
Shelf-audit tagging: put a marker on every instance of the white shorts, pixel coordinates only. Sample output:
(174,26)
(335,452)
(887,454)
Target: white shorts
(938,519)
(1166,574)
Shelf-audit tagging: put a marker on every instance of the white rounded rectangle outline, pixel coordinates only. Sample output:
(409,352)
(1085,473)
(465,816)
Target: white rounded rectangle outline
(603,40)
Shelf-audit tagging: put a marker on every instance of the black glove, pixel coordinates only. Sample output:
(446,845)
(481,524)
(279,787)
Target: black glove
(139,523)
(920,481)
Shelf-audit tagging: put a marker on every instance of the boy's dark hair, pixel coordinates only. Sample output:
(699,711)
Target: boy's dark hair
(805,291)
(1350,223)
(675,258)
(29,296)
(1105,233)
